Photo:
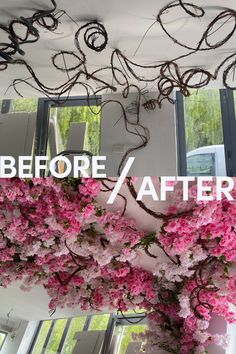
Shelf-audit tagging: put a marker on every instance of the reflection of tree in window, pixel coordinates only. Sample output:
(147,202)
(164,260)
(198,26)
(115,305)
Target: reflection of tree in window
(25,105)
(77,325)
(203,121)
(41,337)
(68,115)
(56,336)
(127,337)
(99,323)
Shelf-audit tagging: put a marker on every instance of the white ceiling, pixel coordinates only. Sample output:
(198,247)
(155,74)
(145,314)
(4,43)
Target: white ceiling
(126,23)
(34,305)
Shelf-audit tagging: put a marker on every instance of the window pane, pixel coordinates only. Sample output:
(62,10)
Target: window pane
(25,105)
(77,325)
(204,132)
(38,347)
(99,323)
(123,337)
(64,122)
(56,336)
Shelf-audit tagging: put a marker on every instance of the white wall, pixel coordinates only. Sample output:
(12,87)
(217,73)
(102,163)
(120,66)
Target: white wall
(158,158)
(32,305)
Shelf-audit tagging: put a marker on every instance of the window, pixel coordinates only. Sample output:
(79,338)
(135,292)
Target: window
(3,337)
(77,325)
(124,336)
(68,127)
(19,105)
(41,338)
(57,336)
(99,322)
(24,105)
(66,119)
(45,127)
(206,124)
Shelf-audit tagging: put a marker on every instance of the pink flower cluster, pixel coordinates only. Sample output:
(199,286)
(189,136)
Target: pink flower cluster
(54,234)
(200,240)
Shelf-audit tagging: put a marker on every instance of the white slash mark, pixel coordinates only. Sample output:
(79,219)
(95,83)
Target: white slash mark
(121,180)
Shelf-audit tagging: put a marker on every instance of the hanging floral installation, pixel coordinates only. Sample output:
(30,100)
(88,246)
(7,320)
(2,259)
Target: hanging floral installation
(122,73)
(55,234)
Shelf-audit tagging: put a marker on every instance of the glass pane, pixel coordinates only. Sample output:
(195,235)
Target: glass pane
(204,133)
(38,347)
(77,325)
(64,124)
(2,338)
(56,337)
(124,337)
(25,105)
(99,323)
